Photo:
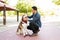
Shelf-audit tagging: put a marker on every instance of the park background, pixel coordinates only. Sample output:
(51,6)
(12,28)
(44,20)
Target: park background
(45,7)
(48,9)
(50,18)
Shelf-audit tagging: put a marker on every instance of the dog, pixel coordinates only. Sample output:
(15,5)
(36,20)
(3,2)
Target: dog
(22,28)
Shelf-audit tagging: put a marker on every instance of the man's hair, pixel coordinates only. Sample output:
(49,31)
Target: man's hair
(34,7)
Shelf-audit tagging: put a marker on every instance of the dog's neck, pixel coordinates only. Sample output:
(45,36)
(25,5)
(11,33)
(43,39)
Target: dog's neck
(24,22)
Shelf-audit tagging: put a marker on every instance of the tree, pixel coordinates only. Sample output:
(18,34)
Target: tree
(56,2)
(23,7)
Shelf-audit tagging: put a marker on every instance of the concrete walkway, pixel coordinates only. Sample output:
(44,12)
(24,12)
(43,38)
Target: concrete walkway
(49,31)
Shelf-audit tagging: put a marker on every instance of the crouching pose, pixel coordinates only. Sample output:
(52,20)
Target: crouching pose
(34,28)
(22,28)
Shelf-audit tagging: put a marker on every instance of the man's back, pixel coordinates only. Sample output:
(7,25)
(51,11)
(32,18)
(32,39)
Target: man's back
(36,19)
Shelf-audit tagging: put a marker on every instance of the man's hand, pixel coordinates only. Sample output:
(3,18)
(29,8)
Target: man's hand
(30,18)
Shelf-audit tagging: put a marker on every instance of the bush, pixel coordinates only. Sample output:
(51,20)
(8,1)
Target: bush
(23,7)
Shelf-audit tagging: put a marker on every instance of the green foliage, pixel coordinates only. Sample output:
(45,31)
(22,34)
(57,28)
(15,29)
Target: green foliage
(1,13)
(23,7)
(11,13)
(56,2)
(52,13)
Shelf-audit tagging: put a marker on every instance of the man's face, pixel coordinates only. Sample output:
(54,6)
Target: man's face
(33,11)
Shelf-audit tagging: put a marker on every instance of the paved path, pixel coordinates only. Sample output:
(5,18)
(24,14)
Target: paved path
(49,31)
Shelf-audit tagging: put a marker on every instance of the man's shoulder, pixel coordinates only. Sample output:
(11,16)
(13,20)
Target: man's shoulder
(37,14)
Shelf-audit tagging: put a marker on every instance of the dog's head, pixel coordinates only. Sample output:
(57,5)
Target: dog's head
(23,19)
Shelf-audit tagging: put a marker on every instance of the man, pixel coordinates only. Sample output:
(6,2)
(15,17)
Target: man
(35,17)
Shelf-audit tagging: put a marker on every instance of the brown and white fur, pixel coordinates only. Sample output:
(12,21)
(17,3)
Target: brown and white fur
(22,28)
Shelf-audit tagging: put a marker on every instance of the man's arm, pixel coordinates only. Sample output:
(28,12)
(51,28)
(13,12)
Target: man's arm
(30,16)
(36,18)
